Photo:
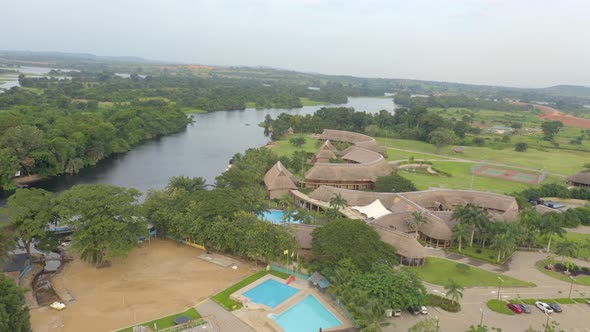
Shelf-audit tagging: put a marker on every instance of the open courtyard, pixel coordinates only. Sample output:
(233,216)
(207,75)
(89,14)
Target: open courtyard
(157,279)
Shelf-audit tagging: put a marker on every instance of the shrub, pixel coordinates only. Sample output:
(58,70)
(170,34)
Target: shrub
(463,268)
(442,302)
(521,146)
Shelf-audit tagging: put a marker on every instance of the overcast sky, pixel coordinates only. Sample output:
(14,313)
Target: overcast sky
(524,43)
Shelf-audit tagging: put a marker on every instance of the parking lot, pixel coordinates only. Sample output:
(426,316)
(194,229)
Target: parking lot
(574,318)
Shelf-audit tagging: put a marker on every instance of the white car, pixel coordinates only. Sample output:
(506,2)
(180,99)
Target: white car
(423,310)
(544,307)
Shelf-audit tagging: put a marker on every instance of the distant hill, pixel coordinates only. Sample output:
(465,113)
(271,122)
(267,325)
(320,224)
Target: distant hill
(58,57)
(568,91)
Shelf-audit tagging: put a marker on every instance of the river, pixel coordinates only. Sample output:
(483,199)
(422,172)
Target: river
(203,149)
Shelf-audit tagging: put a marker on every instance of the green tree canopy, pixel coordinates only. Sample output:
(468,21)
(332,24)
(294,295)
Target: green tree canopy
(550,129)
(30,211)
(441,137)
(394,183)
(14,315)
(348,238)
(107,220)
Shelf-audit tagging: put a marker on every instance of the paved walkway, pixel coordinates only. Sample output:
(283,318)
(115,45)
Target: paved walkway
(226,321)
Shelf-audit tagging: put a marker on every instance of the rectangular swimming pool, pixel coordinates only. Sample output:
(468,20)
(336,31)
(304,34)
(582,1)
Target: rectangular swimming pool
(270,293)
(307,315)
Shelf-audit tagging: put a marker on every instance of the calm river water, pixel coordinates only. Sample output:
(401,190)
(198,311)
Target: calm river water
(203,149)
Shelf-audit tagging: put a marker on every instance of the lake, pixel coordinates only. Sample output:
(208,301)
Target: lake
(203,149)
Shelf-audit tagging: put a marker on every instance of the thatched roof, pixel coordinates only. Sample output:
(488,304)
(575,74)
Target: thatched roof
(279,177)
(582,178)
(405,245)
(325,154)
(303,234)
(458,149)
(349,172)
(360,140)
(361,156)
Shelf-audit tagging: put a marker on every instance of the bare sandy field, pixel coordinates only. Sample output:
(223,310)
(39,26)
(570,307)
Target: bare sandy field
(551,113)
(156,280)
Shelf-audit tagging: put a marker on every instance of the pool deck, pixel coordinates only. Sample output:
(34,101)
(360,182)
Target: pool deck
(258,315)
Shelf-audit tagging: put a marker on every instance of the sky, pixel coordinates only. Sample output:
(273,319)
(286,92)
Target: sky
(521,43)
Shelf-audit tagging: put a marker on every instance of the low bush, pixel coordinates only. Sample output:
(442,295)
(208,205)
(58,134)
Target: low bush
(443,303)
(499,306)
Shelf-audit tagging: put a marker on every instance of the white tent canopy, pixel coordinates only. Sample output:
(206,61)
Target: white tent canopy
(373,211)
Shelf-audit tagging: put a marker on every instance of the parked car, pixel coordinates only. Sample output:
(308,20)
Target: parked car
(514,307)
(397,312)
(414,311)
(525,308)
(423,310)
(555,307)
(544,307)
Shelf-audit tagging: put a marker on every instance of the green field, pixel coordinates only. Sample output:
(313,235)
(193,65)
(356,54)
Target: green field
(486,254)
(549,160)
(167,321)
(284,148)
(499,306)
(438,271)
(308,102)
(580,239)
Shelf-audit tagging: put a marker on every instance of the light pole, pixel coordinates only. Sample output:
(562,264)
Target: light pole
(500,286)
(437,328)
(481,318)
(571,286)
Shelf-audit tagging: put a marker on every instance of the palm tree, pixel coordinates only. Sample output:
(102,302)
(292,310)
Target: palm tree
(460,234)
(567,249)
(284,201)
(473,216)
(189,184)
(454,291)
(303,216)
(337,202)
(549,226)
(372,316)
(418,220)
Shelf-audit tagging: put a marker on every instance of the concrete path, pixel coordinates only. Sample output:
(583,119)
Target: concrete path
(224,319)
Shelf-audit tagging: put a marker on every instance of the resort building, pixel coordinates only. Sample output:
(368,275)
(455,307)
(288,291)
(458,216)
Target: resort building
(581,180)
(279,181)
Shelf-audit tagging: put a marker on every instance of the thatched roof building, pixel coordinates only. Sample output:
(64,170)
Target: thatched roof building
(360,140)
(581,179)
(279,181)
(326,153)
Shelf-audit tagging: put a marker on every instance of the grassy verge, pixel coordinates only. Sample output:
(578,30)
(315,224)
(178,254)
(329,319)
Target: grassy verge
(580,280)
(499,306)
(166,321)
(229,304)
(483,254)
(189,110)
(284,148)
(438,271)
(563,300)
(308,102)
(579,238)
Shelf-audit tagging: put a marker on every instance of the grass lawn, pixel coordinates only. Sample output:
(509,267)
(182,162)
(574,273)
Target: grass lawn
(486,254)
(308,102)
(166,321)
(189,110)
(499,306)
(223,297)
(393,154)
(461,179)
(580,280)
(284,148)
(549,159)
(578,238)
(438,271)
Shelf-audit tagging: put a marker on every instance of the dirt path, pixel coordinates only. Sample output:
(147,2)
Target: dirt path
(156,280)
(550,113)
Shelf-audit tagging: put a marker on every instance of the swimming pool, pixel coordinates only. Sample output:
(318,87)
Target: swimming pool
(270,293)
(276,217)
(307,315)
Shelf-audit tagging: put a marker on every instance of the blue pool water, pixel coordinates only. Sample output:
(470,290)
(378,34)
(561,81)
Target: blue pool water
(276,217)
(270,293)
(307,315)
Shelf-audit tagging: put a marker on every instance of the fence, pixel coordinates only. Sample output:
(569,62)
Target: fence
(187,242)
(346,312)
(26,269)
(278,268)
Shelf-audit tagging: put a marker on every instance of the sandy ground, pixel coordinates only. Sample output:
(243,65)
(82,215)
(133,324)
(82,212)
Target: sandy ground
(550,113)
(156,280)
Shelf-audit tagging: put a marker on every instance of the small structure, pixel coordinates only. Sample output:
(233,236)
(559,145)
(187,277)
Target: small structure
(290,131)
(374,210)
(326,153)
(279,181)
(319,281)
(581,179)
(458,149)
(500,130)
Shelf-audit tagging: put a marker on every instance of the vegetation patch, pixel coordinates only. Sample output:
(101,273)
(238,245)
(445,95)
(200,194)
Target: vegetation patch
(499,306)
(438,271)
(580,280)
(483,254)
(434,300)
(167,321)
(229,304)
